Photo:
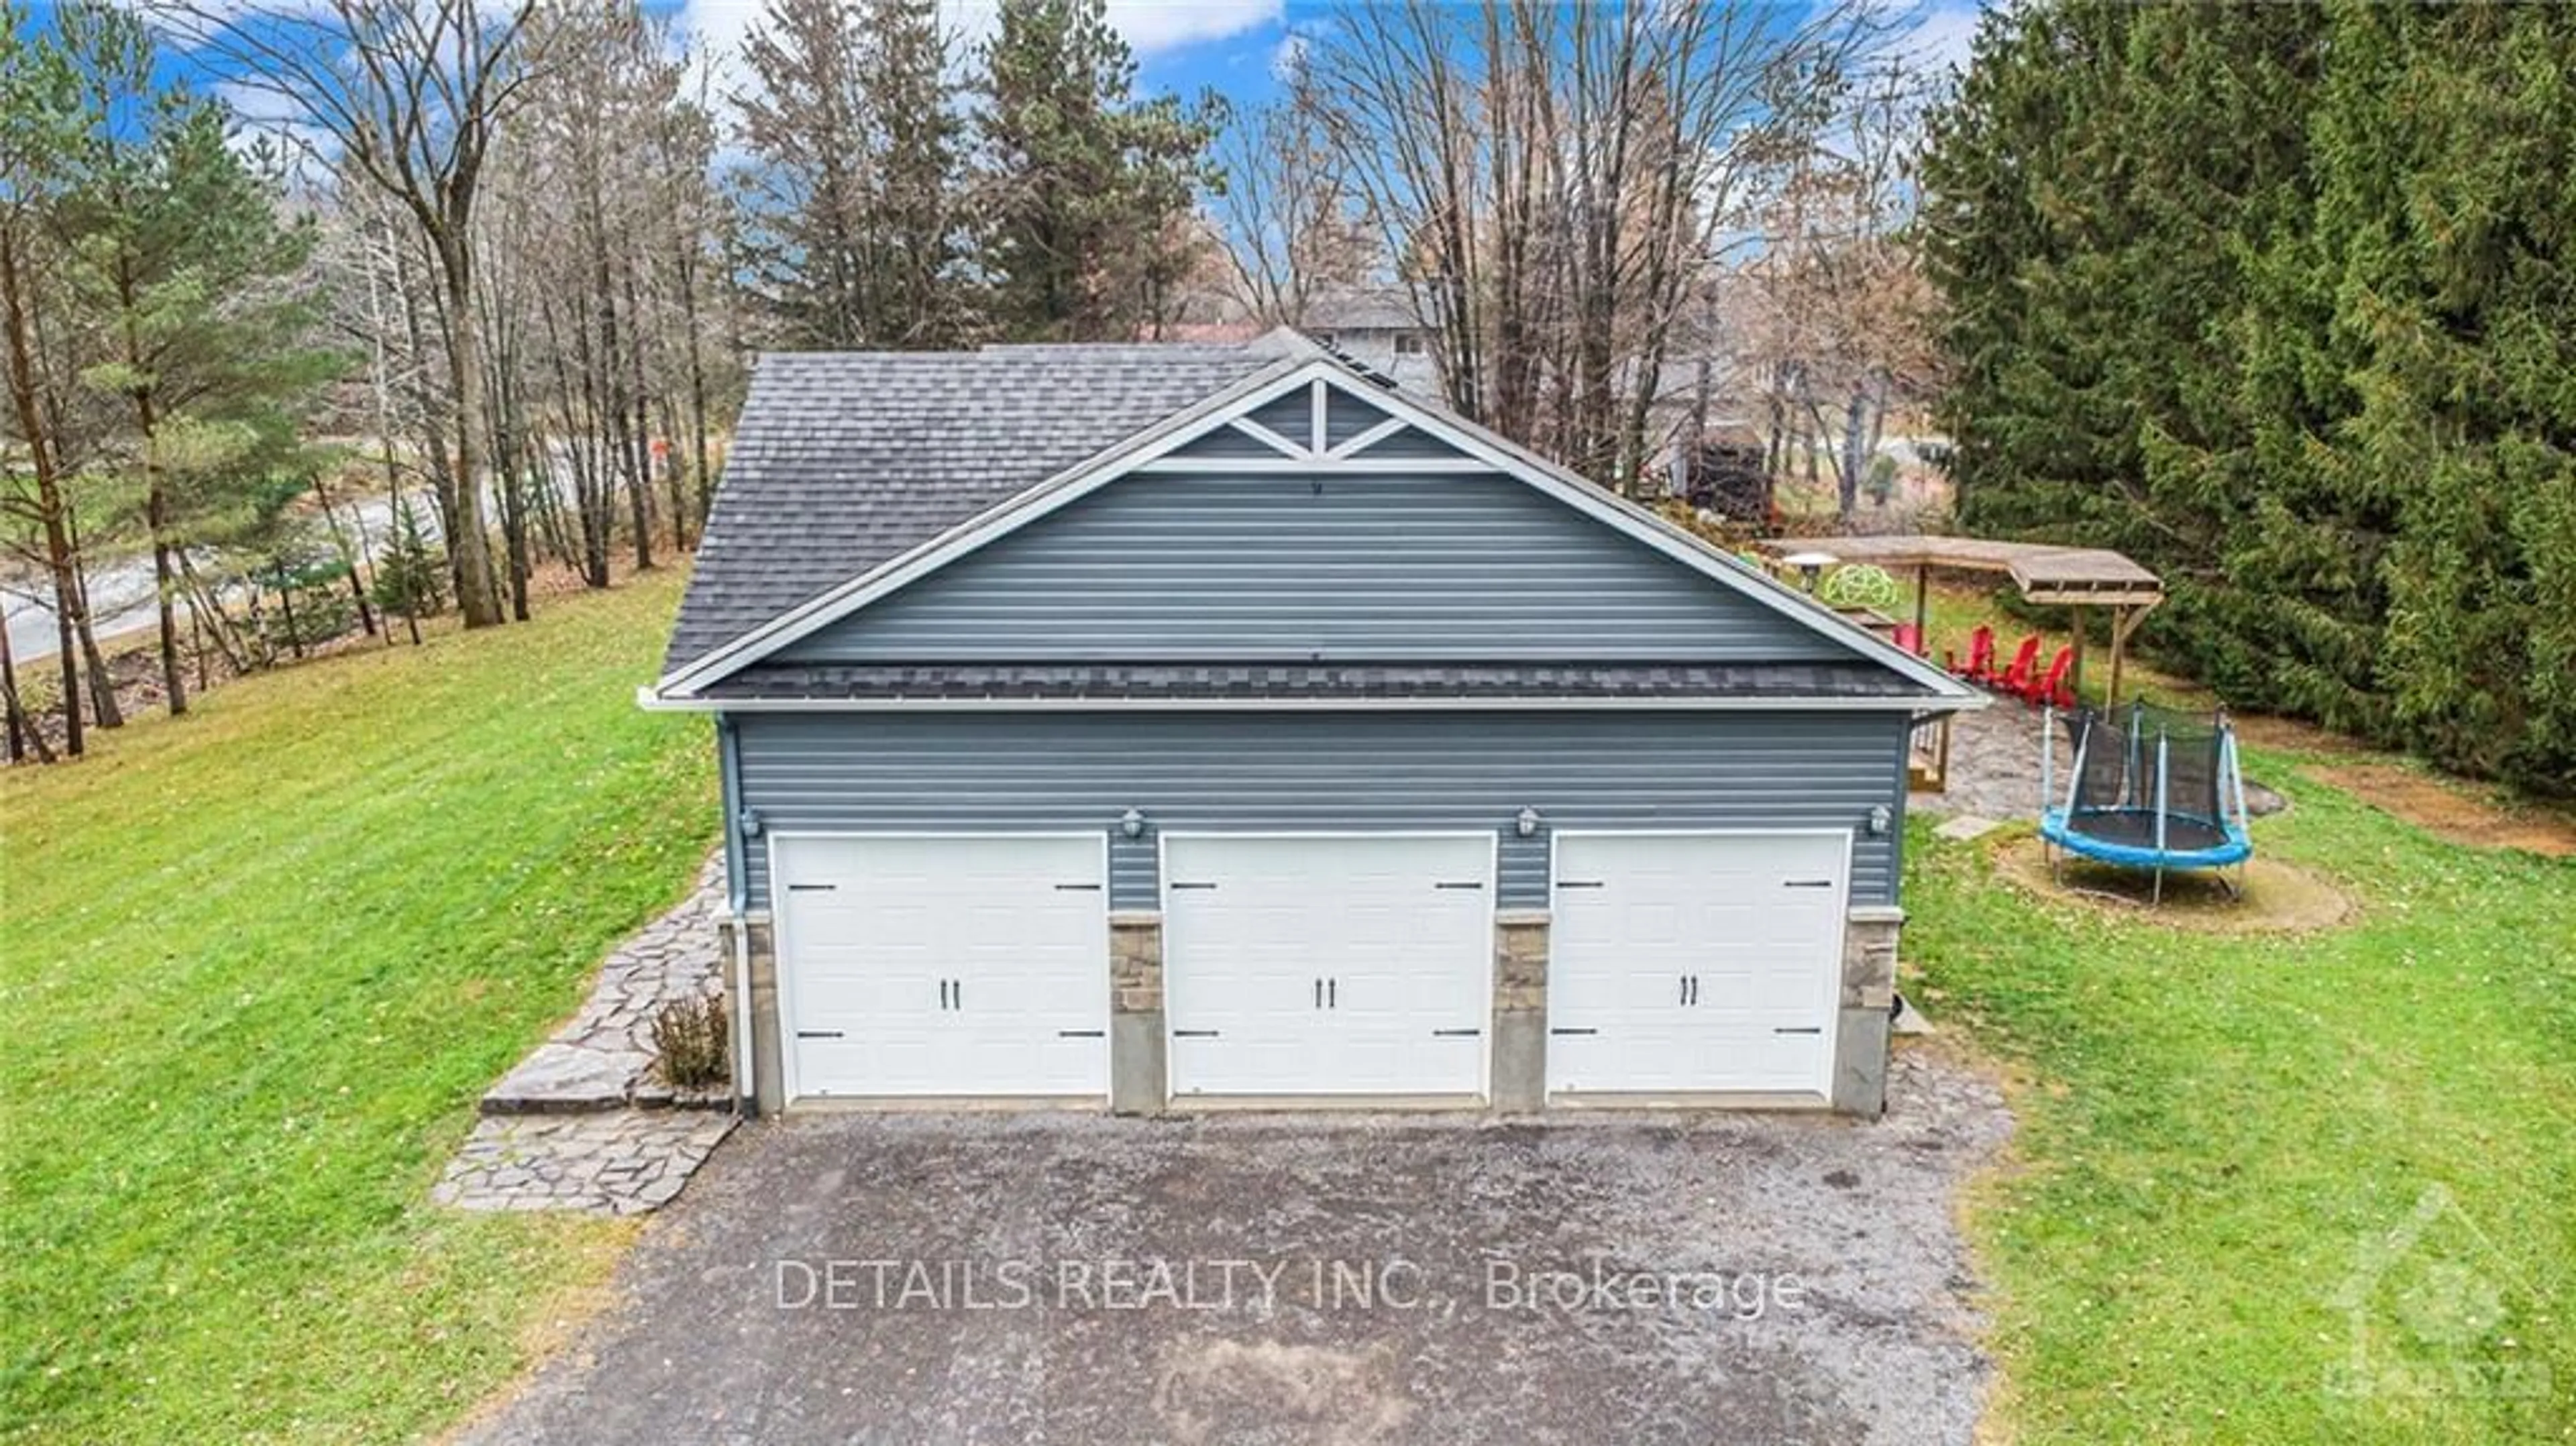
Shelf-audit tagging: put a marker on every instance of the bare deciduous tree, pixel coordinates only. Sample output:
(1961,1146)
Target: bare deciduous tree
(1294,227)
(1550,182)
(410,94)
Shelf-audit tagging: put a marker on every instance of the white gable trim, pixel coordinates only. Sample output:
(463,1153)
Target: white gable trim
(1266,437)
(1370,438)
(1316,373)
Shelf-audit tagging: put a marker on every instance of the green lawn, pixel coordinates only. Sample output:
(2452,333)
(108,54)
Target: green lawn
(256,965)
(2212,1128)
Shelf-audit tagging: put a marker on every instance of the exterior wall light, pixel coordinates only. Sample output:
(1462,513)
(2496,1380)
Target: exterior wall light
(1880,820)
(749,818)
(1132,823)
(1527,824)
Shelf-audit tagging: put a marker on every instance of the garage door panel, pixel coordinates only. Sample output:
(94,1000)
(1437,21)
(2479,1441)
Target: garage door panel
(951,965)
(1694,962)
(1325,966)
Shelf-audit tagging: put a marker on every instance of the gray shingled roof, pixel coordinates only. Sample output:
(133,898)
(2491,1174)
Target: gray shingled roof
(1257,682)
(843,460)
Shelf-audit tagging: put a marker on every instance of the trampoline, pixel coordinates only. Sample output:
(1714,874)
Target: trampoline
(2150,789)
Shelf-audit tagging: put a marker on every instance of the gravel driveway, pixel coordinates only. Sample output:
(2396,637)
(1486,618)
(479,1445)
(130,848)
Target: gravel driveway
(1009,1279)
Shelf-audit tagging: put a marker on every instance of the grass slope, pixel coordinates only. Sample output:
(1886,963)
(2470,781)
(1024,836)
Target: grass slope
(2218,1125)
(256,965)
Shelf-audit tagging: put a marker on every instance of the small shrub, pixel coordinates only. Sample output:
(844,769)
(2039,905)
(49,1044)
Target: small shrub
(410,574)
(691,1043)
(318,617)
(1880,480)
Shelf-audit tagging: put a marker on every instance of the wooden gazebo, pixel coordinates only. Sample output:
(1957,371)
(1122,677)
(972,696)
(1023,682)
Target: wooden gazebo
(2049,576)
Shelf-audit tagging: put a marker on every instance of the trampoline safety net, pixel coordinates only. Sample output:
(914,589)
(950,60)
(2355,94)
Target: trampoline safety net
(2113,792)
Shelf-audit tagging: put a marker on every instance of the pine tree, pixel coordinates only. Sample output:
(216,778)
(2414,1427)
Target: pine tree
(853,208)
(2278,299)
(1081,182)
(181,256)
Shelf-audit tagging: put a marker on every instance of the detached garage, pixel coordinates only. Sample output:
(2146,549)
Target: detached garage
(1192,727)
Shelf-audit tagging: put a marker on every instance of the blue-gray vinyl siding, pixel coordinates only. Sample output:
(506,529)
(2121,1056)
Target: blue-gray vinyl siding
(1291,415)
(1325,772)
(1330,567)
(1227,443)
(1412,442)
(1346,416)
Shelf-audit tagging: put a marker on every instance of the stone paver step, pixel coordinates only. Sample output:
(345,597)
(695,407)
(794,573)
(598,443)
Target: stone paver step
(621,1162)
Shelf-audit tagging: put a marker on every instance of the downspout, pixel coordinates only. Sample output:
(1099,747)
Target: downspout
(746,1101)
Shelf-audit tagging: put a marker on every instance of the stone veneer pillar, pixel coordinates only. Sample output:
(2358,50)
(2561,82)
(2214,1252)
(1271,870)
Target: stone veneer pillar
(1868,1000)
(1519,1060)
(1137,1077)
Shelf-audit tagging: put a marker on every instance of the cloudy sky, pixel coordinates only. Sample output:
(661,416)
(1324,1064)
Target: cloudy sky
(1234,46)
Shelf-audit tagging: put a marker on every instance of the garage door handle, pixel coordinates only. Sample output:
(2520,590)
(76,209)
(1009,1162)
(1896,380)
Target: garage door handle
(811,888)
(1579,883)
(1077,888)
(1806,883)
(1455,1033)
(1193,1034)
(1574,1031)
(1185,884)
(1081,1033)
(1810,1029)
(1460,884)
(818,1034)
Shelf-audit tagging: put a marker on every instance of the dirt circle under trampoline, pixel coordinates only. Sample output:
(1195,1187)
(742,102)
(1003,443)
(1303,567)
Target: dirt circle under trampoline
(2279,897)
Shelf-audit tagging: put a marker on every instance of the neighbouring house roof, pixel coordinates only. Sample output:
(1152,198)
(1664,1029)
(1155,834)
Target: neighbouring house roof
(842,460)
(1852,681)
(1373,310)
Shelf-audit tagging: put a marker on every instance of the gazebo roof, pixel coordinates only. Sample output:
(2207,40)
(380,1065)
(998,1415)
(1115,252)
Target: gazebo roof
(2043,572)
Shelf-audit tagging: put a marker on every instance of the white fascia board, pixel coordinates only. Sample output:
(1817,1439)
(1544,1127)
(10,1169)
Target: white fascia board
(1314,372)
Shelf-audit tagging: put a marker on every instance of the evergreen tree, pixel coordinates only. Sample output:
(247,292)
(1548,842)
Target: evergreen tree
(1082,183)
(852,206)
(180,255)
(2278,300)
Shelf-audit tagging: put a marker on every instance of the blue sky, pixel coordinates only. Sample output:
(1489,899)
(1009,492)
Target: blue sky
(1235,46)
(1180,45)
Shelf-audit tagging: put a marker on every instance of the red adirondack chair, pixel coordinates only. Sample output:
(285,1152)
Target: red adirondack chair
(1910,638)
(2017,678)
(1981,656)
(2052,688)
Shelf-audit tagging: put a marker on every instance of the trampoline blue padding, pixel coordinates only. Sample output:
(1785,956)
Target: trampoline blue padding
(2127,836)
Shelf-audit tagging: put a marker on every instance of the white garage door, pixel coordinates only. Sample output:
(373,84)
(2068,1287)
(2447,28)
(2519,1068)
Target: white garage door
(1344,965)
(1695,962)
(962,965)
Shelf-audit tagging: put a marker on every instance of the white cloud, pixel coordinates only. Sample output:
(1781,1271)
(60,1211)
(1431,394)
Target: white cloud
(1941,34)
(1289,59)
(258,112)
(1155,26)
(1151,27)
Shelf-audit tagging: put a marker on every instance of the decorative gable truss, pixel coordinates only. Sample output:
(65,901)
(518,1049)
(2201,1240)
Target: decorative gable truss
(1311,415)
(1319,426)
